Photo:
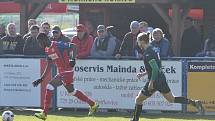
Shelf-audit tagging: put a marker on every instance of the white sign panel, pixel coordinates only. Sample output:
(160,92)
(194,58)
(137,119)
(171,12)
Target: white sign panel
(16,76)
(113,84)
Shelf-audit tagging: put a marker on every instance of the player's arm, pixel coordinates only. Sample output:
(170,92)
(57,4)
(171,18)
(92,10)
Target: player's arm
(155,69)
(47,68)
(73,54)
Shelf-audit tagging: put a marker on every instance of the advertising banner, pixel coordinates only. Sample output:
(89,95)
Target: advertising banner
(16,76)
(113,84)
(200,84)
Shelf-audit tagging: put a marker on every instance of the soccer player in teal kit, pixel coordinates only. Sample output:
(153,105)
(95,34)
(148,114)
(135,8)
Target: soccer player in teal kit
(157,79)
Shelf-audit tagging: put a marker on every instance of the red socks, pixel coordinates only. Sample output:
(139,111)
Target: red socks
(81,96)
(47,101)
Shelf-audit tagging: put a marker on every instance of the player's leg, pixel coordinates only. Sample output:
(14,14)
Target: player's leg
(54,83)
(79,94)
(163,87)
(183,100)
(68,84)
(143,95)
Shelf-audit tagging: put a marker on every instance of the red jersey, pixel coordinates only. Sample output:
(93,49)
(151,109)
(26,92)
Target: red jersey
(84,46)
(58,52)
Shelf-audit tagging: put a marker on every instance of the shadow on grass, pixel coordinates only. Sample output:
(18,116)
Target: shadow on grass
(188,116)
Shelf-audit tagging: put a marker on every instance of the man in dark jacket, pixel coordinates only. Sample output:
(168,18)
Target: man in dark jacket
(2,34)
(12,42)
(191,40)
(58,36)
(128,45)
(2,31)
(31,22)
(31,46)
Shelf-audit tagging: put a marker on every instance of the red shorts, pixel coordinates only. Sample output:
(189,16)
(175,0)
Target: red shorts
(66,77)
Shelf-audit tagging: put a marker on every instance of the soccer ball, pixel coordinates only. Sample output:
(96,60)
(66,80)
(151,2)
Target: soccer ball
(7,116)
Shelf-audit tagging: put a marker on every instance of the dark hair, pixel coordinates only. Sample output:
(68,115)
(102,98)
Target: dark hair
(112,30)
(35,27)
(45,23)
(42,37)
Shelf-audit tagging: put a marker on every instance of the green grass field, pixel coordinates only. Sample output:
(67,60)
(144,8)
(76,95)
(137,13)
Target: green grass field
(113,116)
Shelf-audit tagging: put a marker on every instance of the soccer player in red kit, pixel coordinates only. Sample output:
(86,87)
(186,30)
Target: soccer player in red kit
(63,56)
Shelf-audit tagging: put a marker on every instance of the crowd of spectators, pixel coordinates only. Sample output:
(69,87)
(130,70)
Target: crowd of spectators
(104,42)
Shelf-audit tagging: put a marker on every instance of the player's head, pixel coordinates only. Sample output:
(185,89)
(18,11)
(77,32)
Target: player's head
(43,40)
(143,40)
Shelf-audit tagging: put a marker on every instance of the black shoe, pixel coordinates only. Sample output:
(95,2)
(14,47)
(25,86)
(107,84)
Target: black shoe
(200,108)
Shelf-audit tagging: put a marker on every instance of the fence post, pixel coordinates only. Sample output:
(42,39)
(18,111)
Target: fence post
(184,82)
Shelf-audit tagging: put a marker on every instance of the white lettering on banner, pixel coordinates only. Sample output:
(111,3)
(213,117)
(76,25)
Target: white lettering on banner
(202,67)
(113,83)
(16,76)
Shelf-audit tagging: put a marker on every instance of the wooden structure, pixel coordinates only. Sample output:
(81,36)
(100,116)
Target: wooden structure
(29,9)
(32,8)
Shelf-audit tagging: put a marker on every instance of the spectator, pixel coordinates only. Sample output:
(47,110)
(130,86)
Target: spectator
(31,22)
(2,31)
(45,28)
(1,47)
(111,31)
(31,46)
(162,43)
(104,44)
(12,42)
(209,46)
(2,34)
(128,45)
(144,26)
(58,36)
(191,41)
(91,27)
(83,41)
